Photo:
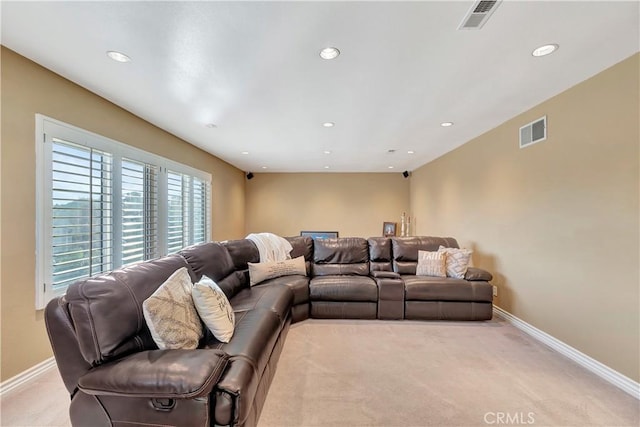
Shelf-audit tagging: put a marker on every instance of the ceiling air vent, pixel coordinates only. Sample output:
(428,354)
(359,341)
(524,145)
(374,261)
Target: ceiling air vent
(535,131)
(479,14)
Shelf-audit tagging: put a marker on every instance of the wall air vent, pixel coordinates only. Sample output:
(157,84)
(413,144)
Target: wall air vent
(479,14)
(535,131)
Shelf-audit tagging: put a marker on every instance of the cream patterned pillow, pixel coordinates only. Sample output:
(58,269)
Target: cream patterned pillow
(457,261)
(214,308)
(431,264)
(261,271)
(170,314)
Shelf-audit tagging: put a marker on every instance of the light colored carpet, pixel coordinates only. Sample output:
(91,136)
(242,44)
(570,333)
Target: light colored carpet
(405,373)
(43,401)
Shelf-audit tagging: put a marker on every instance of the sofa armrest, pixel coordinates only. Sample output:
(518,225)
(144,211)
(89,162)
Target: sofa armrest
(477,275)
(179,374)
(385,275)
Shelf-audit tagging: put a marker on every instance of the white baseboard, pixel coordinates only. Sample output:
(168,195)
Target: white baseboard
(603,371)
(26,376)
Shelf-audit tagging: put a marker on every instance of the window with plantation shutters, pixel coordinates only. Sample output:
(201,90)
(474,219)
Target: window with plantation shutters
(102,204)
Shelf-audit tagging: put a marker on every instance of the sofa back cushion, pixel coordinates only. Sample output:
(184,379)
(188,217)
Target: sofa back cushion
(405,250)
(344,255)
(380,254)
(107,310)
(242,252)
(213,260)
(302,246)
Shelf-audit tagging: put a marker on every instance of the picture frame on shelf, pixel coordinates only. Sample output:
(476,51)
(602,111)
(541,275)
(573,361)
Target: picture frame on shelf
(389,229)
(320,234)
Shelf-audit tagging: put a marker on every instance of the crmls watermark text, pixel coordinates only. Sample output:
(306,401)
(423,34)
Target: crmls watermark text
(510,418)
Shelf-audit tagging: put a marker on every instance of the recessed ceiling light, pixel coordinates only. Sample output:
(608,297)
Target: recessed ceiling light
(211,125)
(446,124)
(264,167)
(328,124)
(329,53)
(390,167)
(245,152)
(411,152)
(118,56)
(545,50)
(326,167)
(327,152)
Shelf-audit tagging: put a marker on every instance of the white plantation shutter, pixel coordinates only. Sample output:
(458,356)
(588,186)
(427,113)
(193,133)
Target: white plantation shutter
(178,211)
(189,210)
(101,204)
(81,222)
(139,211)
(201,210)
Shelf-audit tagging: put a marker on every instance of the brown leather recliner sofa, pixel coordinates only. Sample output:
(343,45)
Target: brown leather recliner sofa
(116,376)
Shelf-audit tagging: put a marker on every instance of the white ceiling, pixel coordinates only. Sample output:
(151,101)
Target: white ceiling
(253,69)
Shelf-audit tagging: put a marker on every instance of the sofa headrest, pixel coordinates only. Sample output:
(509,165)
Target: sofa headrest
(406,248)
(107,309)
(379,249)
(302,246)
(242,251)
(210,259)
(341,250)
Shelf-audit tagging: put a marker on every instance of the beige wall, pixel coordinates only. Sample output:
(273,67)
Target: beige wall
(557,222)
(354,204)
(28,89)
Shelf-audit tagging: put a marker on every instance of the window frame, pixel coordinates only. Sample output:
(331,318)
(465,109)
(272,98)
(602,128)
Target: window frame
(47,129)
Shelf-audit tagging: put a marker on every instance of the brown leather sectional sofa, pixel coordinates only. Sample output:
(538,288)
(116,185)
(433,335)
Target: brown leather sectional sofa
(116,376)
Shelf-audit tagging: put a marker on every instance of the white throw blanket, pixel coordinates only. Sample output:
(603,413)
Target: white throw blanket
(271,247)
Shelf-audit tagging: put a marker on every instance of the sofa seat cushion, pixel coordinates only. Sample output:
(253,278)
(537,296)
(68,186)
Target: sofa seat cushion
(278,299)
(158,373)
(253,339)
(298,284)
(343,288)
(425,288)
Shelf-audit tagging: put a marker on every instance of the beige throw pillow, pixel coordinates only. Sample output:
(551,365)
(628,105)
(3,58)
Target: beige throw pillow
(214,308)
(432,264)
(170,314)
(457,261)
(261,271)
